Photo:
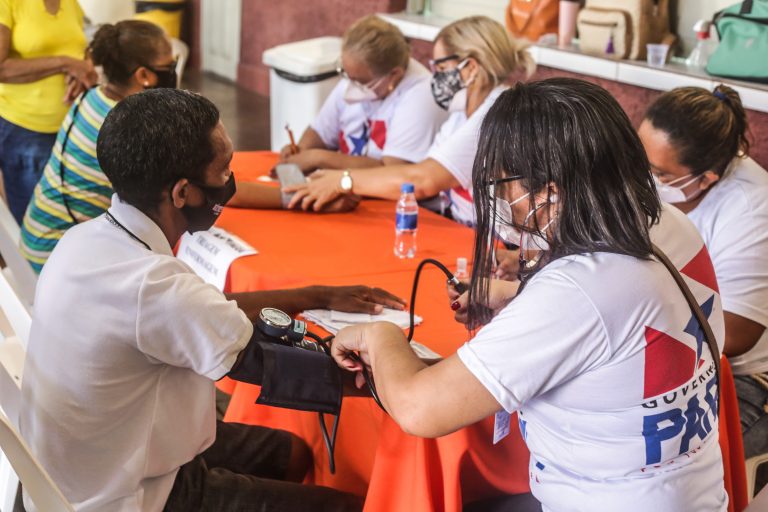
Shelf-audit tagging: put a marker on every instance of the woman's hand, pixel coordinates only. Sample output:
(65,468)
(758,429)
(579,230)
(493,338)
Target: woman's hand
(288,150)
(322,188)
(507,264)
(351,348)
(500,293)
(308,160)
(82,71)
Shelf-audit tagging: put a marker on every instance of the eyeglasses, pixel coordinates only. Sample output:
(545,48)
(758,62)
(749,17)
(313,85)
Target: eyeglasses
(433,63)
(370,85)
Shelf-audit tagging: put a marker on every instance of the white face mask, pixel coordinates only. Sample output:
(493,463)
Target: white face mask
(505,229)
(672,195)
(358,93)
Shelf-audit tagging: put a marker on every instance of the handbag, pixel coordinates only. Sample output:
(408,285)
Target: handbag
(743,49)
(697,312)
(621,28)
(531,19)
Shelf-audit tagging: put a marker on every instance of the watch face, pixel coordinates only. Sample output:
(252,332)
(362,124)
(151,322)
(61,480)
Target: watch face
(346,183)
(275,317)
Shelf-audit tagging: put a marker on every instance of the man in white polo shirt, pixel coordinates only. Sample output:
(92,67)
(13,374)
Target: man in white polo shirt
(127,342)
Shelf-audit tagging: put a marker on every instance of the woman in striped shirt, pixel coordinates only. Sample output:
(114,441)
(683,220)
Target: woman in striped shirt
(134,55)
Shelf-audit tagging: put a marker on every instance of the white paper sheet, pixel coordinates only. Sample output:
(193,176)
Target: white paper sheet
(332,321)
(210,253)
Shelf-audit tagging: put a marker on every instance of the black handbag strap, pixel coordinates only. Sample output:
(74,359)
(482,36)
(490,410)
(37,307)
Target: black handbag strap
(697,312)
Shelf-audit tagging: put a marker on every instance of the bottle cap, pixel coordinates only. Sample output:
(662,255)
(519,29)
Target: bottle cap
(461,266)
(406,188)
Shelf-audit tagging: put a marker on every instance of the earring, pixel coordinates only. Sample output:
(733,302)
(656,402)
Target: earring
(146,84)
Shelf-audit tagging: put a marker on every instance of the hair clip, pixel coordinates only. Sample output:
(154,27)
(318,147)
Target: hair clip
(719,95)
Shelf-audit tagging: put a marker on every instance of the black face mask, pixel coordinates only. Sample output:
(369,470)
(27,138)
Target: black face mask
(445,85)
(201,218)
(166,78)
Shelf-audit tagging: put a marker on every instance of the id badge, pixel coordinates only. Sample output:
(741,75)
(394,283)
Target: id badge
(501,425)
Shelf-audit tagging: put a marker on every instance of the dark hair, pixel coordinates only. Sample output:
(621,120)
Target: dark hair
(154,138)
(708,129)
(574,134)
(121,48)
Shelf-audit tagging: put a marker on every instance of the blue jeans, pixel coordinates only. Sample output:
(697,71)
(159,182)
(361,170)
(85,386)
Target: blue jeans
(23,155)
(753,399)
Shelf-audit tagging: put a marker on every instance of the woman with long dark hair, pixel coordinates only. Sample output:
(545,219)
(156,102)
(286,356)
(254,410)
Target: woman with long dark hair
(598,352)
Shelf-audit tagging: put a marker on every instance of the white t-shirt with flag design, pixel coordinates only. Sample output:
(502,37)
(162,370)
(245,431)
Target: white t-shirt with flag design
(402,125)
(454,148)
(733,221)
(612,378)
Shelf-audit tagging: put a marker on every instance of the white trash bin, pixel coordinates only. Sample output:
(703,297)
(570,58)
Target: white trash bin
(302,75)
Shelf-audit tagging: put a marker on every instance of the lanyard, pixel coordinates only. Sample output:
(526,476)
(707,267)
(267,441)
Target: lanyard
(117,224)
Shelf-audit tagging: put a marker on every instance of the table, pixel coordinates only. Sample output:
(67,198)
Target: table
(373,455)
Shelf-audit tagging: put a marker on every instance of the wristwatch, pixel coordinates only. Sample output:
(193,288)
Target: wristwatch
(346,182)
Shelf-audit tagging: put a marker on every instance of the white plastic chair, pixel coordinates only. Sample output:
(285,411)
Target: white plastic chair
(751,467)
(760,502)
(180,50)
(15,326)
(44,493)
(19,272)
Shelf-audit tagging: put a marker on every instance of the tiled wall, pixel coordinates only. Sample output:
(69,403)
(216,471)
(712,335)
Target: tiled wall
(267,23)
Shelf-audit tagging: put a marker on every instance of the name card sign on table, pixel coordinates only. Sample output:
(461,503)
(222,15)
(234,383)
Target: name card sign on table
(210,253)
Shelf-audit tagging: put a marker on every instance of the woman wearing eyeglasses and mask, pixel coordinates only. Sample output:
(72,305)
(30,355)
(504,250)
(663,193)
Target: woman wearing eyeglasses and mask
(616,400)
(134,56)
(697,143)
(380,113)
(473,58)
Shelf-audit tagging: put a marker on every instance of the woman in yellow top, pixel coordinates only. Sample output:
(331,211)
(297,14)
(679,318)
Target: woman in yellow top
(42,46)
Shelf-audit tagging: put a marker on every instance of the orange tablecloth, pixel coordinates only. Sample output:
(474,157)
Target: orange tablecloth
(373,455)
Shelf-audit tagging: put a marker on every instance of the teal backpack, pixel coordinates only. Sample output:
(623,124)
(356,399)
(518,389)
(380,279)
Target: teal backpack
(743,50)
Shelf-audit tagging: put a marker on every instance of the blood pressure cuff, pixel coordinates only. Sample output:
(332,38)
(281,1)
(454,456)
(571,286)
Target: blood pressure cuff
(290,377)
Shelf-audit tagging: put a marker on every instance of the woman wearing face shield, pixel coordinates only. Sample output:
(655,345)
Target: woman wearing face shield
(697,144)
(615,400)
(380,113)
(473,59)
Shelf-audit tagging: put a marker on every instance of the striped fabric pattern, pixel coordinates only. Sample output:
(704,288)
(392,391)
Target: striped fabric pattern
(87,190)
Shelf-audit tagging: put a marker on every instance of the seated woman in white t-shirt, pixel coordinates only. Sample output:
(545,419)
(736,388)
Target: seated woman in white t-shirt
(697,143)
(473,58)
(616,401)
(380,113)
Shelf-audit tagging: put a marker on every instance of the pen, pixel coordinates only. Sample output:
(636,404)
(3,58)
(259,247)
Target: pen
(294,148)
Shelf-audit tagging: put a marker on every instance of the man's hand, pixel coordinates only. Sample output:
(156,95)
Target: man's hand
(322,188)
(360,299)
(500,294)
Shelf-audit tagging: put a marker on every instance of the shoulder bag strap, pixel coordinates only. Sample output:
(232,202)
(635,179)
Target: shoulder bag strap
(697,312)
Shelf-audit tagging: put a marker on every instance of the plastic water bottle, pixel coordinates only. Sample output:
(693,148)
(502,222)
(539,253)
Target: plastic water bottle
(406,222)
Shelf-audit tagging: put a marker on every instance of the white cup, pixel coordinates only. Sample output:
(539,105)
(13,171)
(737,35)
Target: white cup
(656,54)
